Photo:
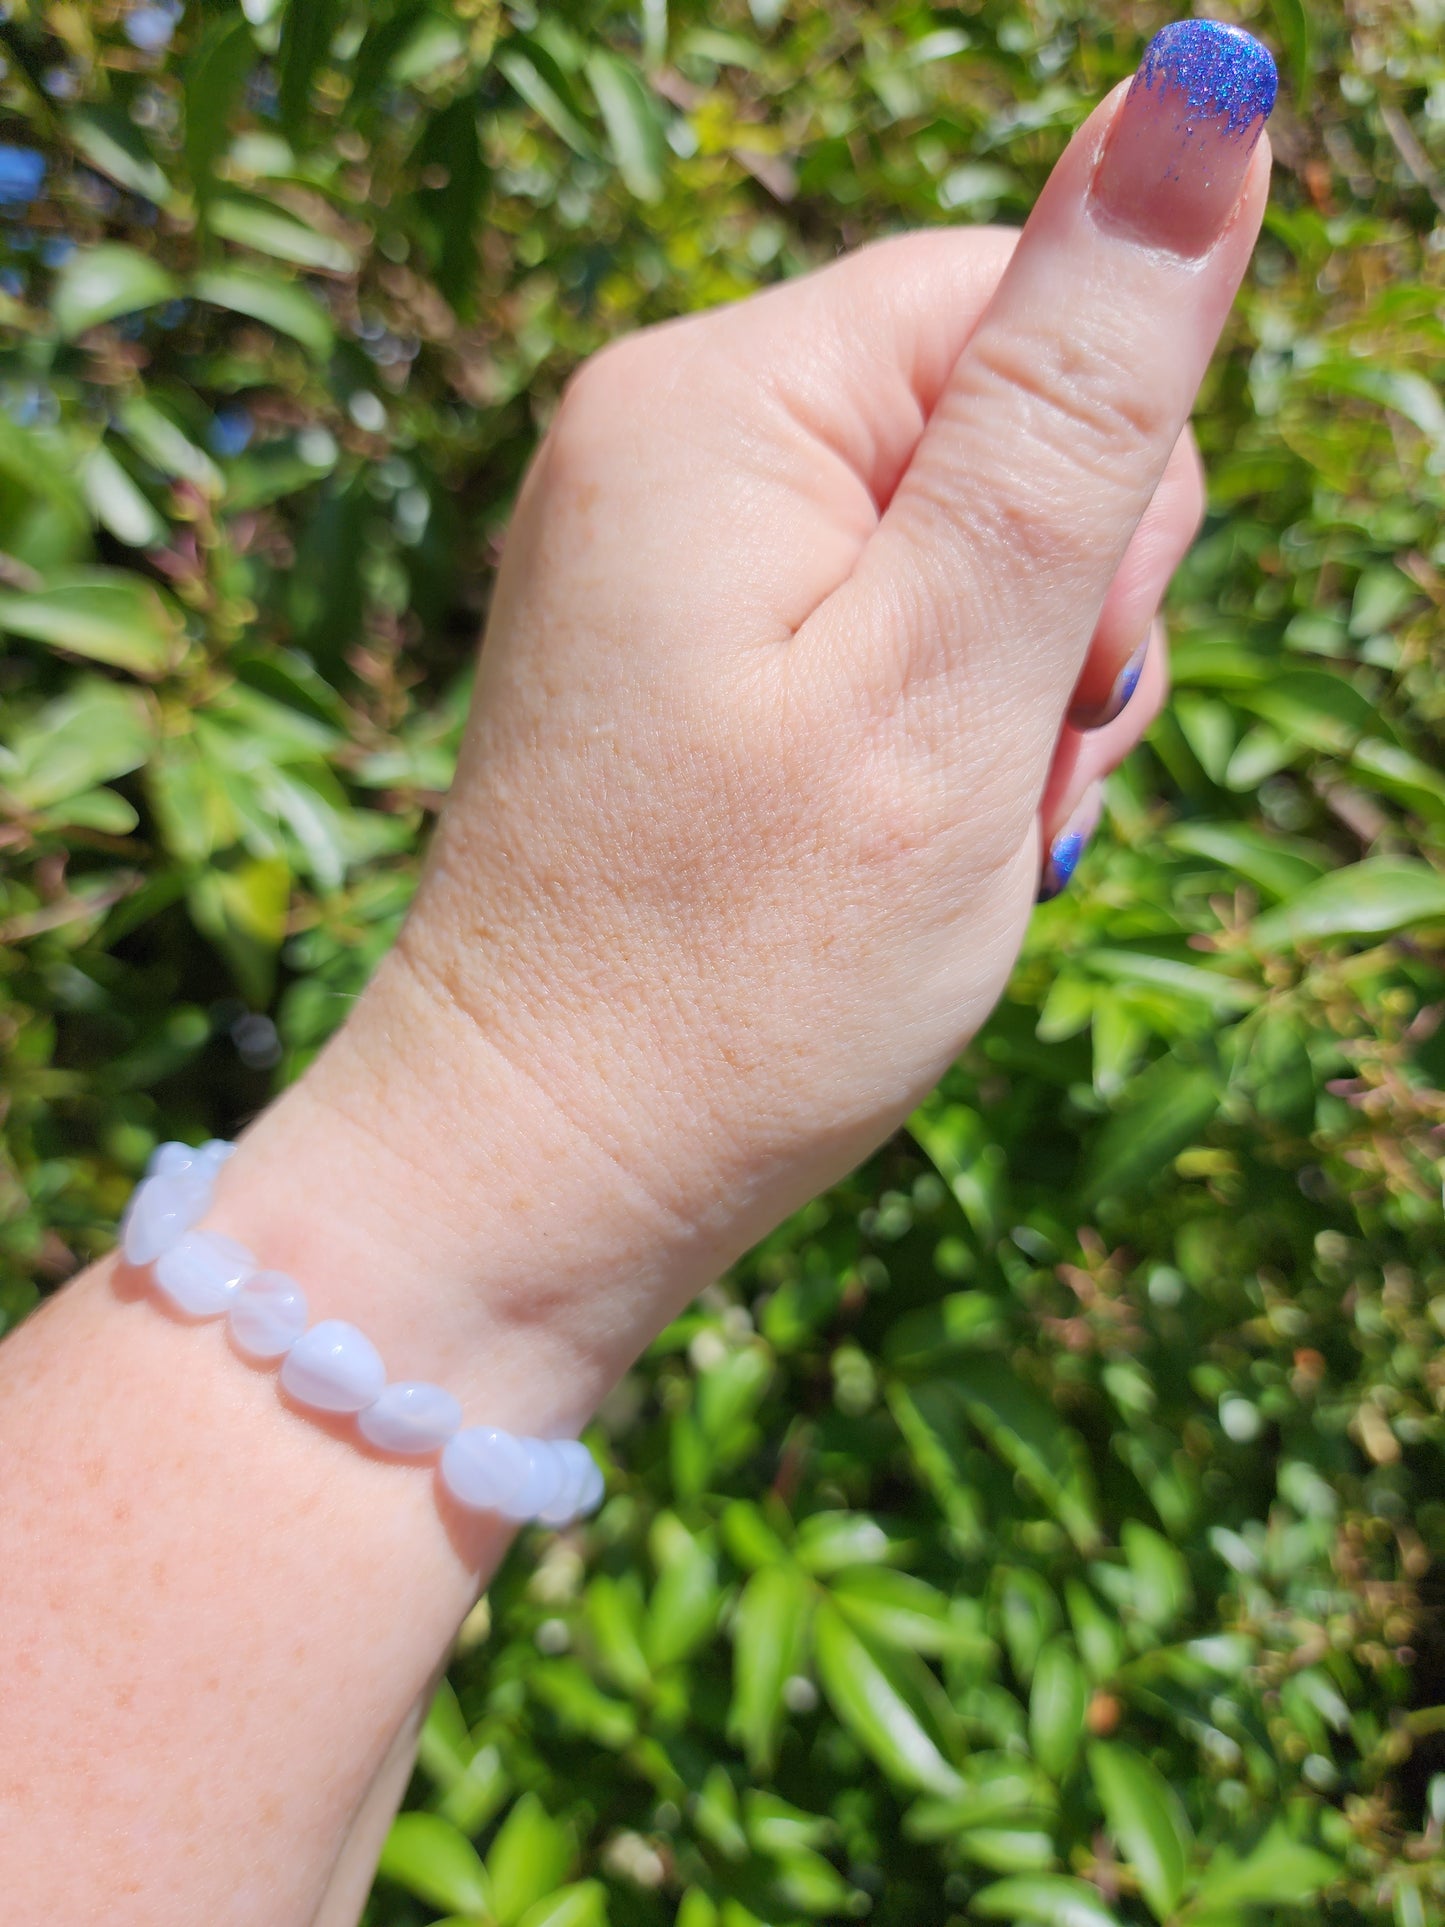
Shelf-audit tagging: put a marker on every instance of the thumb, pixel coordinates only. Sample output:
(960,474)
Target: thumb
(1055,426)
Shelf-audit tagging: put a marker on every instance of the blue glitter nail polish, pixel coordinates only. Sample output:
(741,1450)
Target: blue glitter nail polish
(1064,854)
(1226,76)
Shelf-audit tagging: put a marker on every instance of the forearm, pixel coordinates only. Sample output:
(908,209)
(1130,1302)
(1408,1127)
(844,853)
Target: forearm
(222,1612)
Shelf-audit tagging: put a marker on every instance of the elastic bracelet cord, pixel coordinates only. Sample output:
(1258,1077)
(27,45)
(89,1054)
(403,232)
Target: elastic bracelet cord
(331,1366)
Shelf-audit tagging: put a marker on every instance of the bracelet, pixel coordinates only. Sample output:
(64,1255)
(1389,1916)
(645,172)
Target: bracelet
(331,1366)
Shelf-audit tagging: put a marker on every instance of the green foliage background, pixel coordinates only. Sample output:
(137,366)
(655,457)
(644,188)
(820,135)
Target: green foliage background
(1047,1525)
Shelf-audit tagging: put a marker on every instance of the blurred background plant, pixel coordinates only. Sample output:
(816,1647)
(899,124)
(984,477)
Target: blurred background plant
(1047,1525)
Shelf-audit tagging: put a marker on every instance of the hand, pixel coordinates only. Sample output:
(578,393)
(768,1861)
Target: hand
(771,745)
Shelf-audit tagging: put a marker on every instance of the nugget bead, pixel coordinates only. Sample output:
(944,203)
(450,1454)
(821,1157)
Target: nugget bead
(268,1315)
(410,1419)
(334,1368)
(202,1272)
(163,1209)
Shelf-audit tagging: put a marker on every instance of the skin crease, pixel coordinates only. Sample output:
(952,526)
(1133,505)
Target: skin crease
(770,722)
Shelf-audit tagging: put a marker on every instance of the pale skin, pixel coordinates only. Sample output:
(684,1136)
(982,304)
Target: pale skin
(773,726)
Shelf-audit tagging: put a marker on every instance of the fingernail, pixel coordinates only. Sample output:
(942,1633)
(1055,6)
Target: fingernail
(1175,158)
(1117,700)
(1069,845)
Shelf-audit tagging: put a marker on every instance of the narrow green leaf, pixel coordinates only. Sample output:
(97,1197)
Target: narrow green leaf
(1146,1820)
(528,1859)
(885,1703)
(214,75)
(253,223)
(634,129)
(543,95)
(1058,1700)
(1047,1454)
(1163,1111)
(242,909)
(431,1859)
(97,284)
(1053,1900)
(103,614)
(281,305)
(306,35)
(1373,898)
(1279,1872)
(96,731)
(769,1632)
(1209,987)
(118,502)
(582,1905)
(114,146)
(685,1603)
(1277,865)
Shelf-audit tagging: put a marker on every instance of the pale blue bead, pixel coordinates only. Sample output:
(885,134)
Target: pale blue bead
(215,1151)
(594,1488)
(576,1464)
(169,1160)
(268,1314)
(334,1368)
(202,1272)
(163,1210)
(410,1419)
(539,1485)
(482,1465)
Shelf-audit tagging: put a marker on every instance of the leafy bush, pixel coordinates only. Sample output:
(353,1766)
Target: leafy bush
(1046,1525)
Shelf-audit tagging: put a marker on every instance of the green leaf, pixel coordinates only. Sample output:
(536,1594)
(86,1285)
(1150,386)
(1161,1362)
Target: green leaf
(96,731)
(889,1705)
(113,145)
(998,1789)
(431,1859)
(449,213)
(1276,865)
(897,1609)
(1148,1823)
(161,440)
(527,1860)
(1160,1591)
(1050,1899)
(1313,706)
(103,614)
(242,909)
(214,75)
(615,1618)
(1209,987)
(1163,1111)
(1280,1872)
(769,1632)
(118,502)
(685,1602)
(1058,1700)
(97,284)
(1029,1435)
(829,1541)
(1016,1849)
(1373,898)
(543,94)
(1292,24)
(634,131)
(281,305)
(582,1905)
(306,36)
(254,223)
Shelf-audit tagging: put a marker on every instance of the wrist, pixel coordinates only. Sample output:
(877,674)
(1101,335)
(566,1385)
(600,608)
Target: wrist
(419,1183)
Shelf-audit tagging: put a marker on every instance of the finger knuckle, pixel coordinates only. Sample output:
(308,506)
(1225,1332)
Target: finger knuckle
(1078,396)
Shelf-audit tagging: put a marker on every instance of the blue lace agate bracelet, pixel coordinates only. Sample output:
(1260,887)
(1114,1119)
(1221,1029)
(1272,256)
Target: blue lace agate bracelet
(333,1367)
